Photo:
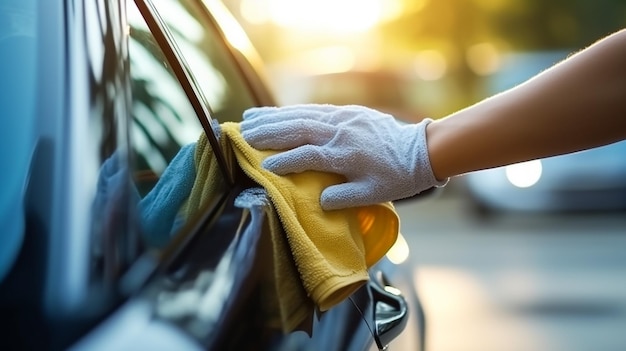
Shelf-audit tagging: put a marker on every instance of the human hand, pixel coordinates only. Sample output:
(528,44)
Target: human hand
(382,159)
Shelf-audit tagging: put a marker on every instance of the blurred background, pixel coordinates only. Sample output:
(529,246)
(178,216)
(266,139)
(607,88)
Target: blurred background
(415,57)
(531,257)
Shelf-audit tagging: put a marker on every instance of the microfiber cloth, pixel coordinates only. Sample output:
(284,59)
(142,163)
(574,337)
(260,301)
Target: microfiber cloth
(331,250)
(161,206)
(285,303)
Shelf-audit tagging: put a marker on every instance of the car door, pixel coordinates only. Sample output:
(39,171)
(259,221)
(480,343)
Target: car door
(215,79)
(199,281)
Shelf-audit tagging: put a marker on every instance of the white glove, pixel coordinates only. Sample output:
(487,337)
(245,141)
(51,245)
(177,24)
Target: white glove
(381,159)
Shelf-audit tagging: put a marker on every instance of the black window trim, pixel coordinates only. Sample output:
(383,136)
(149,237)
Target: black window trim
(183,74)
(166,260)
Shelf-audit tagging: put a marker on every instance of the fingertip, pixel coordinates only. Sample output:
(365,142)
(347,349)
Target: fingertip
(253,139)
(248,138)
(331,199)
(250,113)
(246,125)
(298,160)
(328,206)
(332,204)
(347,195)
(274,165)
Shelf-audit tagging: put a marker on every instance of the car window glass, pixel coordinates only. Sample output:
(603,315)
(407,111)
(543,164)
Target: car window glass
(164,131)
(214,68)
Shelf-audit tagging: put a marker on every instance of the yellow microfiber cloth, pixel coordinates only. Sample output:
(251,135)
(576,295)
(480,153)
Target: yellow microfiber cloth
(332,250)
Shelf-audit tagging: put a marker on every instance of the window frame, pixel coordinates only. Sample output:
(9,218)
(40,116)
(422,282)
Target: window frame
(172,253)
(166,42)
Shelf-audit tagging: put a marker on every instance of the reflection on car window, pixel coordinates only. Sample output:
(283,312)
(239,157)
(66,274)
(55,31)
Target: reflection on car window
(18,52)
(221,82)
(164,131)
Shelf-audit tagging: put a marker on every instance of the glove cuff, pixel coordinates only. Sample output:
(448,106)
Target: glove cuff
(424,176)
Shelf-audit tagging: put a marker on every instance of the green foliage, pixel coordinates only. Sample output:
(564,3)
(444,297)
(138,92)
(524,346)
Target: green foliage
(522,24)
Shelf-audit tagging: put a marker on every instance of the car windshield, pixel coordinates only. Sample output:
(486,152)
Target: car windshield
(17,95)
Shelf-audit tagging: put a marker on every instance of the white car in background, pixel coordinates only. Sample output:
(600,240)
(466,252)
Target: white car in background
(590,180)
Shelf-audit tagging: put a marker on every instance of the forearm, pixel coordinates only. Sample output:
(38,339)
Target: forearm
(577,104)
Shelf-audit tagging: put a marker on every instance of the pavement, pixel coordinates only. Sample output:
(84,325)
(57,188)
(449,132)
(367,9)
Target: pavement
(542,282)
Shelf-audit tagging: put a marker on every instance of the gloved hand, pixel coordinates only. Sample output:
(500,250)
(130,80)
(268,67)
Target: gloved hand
(382,159)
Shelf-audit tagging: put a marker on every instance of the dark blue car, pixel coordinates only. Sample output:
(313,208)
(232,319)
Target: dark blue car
(102,102)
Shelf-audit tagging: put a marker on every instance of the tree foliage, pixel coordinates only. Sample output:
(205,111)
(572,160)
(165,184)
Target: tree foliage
(521,24)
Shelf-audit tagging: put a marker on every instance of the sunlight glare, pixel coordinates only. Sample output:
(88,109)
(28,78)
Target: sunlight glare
(235,34)
(345,16)
(326,60)
(254,11)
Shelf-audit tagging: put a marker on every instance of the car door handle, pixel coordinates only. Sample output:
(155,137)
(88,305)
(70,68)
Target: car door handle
(390,311)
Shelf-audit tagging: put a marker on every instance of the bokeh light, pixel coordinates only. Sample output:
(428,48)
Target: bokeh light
(430,65)
(399,252)
(483,59)
(525,174)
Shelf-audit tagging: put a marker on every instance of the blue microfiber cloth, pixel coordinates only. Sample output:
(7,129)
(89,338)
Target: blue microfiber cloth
(113,181)
(160,208)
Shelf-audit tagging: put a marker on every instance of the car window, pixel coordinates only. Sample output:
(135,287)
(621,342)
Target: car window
(164,131)
(214,68)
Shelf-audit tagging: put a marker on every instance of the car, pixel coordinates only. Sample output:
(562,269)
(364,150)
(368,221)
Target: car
(589,180)
(100,98)
(585,181)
